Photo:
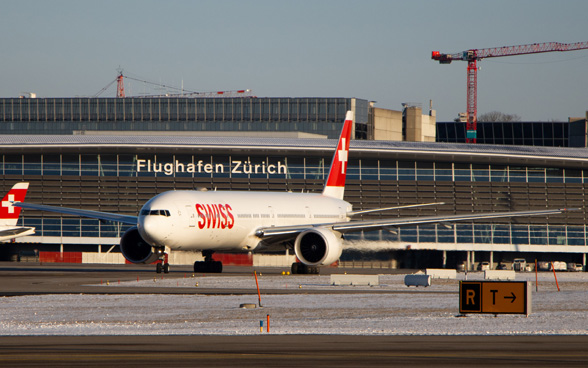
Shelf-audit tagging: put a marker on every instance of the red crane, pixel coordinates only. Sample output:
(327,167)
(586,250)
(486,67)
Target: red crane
(473,55)
(120,86)
(120,89)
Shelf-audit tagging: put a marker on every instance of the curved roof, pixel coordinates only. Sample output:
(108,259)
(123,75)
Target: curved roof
(453,152)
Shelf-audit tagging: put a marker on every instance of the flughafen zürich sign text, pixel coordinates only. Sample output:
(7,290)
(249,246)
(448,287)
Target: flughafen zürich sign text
(201,167)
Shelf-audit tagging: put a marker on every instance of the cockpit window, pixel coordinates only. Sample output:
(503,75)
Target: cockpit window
(165,213)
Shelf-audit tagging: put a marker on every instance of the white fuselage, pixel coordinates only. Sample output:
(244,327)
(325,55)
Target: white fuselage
(198,220)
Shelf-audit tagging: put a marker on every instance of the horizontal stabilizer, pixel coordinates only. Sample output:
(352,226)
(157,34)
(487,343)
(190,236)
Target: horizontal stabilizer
(15,232)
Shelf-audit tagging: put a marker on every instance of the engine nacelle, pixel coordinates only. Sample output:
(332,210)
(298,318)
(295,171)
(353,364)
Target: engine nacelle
(135,249)
(318,247)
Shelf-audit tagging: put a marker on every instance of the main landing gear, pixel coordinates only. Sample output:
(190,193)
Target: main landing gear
(162,263)
(302,269)
(208,265)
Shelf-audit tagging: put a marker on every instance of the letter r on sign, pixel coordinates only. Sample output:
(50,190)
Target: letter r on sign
(470,297)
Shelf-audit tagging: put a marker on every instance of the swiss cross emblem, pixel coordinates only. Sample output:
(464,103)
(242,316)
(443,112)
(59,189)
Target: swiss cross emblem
(8,203)
(343,156)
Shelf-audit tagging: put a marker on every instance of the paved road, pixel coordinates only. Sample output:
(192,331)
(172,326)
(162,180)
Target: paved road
(295,351)
(34,278)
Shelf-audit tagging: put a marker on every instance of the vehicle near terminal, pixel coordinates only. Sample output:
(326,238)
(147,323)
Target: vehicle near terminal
(311,224)
(558,266)
(484,266)
(9,214)
(519,264)
(544,266)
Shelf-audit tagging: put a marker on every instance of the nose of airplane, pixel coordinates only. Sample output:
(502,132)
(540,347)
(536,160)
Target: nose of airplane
(154,229)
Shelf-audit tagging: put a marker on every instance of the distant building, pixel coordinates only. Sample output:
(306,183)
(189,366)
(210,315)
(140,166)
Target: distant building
(545,134)
(269,117)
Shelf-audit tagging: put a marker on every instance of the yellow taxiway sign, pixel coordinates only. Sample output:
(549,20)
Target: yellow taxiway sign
(495,297)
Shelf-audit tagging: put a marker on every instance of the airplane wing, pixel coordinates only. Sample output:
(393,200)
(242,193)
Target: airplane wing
(354,213)
(283,232)
(106,216)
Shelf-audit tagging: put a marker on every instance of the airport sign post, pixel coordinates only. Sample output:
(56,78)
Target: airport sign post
(495,297)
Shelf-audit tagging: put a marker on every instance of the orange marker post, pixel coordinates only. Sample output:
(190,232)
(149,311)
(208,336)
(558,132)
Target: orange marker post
(554,275)
(258,293)
(267,329)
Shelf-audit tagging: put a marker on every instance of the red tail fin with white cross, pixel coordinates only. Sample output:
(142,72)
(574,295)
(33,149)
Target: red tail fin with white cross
(8,213)
(335,186)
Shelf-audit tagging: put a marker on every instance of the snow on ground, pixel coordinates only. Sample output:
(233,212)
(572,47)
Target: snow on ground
(409,311)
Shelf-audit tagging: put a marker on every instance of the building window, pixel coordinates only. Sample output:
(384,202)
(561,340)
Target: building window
(462,172)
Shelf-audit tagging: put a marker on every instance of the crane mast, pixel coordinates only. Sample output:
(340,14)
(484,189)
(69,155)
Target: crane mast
(473,55)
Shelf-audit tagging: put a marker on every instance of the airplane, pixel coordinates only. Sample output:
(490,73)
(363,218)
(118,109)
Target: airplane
(312,224)
(9,213)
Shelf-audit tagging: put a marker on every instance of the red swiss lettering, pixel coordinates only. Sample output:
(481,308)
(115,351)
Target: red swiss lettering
(201,220)
(211,218)
(223,212)
(231,220)
(215,216)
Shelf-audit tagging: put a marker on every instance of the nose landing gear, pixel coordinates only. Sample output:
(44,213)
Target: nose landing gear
(162,263)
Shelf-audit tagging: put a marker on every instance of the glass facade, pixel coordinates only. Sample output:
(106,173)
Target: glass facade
(550,134)
(123,182)
(275,167)
(77,115)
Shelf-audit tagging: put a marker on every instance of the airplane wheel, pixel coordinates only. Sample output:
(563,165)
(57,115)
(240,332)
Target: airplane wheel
(158,268)
(295,268)
(166,268)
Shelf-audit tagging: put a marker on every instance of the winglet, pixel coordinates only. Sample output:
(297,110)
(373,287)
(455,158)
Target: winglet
(335,186)
(9,213)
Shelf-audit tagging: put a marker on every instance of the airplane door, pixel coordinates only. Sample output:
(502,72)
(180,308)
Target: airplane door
(191,211)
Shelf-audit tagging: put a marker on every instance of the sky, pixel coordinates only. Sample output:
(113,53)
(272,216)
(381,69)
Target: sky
(375,49)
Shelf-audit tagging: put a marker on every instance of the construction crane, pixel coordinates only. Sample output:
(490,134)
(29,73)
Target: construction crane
(120,86)
(473,55)
(120,90)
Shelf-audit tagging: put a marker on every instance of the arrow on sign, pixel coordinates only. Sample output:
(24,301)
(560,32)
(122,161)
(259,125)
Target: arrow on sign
(513,297)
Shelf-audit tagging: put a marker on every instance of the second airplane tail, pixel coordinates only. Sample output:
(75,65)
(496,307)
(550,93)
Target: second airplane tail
(9,213)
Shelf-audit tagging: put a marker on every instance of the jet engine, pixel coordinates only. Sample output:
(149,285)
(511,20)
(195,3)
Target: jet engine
(135,249)
(318,247)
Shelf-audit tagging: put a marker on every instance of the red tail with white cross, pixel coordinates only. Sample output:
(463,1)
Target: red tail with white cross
(335,186)
(8,213)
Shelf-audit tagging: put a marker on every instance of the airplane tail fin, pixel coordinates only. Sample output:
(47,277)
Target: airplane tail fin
(335,185)
(8,213)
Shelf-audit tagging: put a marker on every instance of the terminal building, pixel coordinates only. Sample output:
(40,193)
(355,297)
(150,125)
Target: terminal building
(83,153)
